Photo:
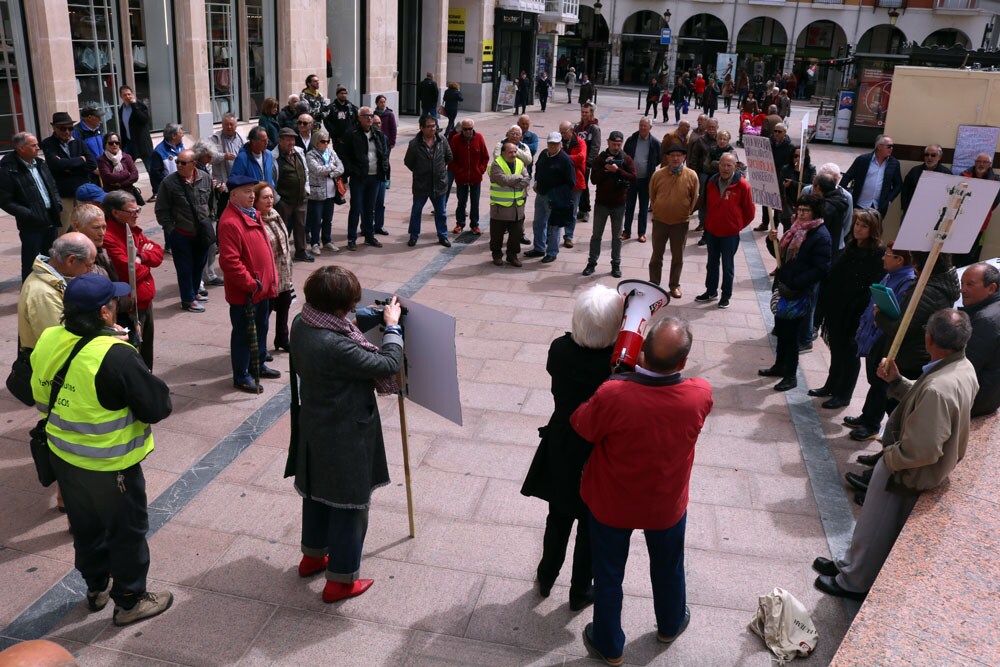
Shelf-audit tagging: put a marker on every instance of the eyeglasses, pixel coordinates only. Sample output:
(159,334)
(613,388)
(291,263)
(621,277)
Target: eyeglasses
(182,163)
(114,143)
(305,122)
(931,154)
(889,146)
(468,129)
(134,211)
(366,115)
(323,141)
(804,209)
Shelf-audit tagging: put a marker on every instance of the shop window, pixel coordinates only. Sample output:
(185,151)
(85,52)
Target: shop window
(256,59)
(222,51)
(15,99)
(148,32)
(95,55)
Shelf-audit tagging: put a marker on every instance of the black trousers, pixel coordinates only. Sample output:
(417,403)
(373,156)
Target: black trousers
(558,526)
(787,355)
(877,402)
(585,197)
(844,365)
(148,331)
(110,523)
(280,305)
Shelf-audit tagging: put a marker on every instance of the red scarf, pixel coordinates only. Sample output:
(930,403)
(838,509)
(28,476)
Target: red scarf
(793,238)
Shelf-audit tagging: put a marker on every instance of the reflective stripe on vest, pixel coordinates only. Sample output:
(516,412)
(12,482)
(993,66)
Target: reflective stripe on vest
(80,430)
(505,196)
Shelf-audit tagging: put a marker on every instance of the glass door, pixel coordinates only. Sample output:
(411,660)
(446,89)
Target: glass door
(94,34)
(15,99)
(222,80)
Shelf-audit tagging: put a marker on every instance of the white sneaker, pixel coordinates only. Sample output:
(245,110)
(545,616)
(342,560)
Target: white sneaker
(316,249)
(148,606)
(330,247)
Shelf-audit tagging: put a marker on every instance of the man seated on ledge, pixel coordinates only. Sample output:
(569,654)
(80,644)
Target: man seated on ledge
(925,438)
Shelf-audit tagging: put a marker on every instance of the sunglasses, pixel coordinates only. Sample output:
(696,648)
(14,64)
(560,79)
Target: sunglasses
(305,122)
(931,154)
(889,146)
(182,163)
(114,143)
(323,141)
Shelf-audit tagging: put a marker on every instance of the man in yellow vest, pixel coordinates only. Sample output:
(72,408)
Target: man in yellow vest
(508,192)
(98,433)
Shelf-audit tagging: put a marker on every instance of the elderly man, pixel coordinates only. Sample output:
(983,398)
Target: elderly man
(874,178)
(555,178)
(40,303)
(88,130)
(613,175)
(89,220)
(69,162)
(98,435)
(924,440)
(470,160)
(679,137)
(254,160)
(287,116)
(515,136)
(673,196)
(728,210)
(700,161)
(250,280)
(981,168)
(366,160)
(29,192)
(291,183)
(529,138)
(577,151)
(637,478)
(932,162)
(509,182)
(981,302)
(305,128)
(427,156)
(645,151)
(229,142)
(699,130)
(162,160)
(122,213)
(183,210)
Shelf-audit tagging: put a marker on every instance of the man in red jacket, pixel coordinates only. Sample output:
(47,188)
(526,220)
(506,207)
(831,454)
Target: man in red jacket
(637,479)
(249,277)
(470,160)
(122,213)
(728,209)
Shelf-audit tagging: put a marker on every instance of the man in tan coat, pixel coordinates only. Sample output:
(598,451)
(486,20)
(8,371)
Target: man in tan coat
(923,442)
(673,195)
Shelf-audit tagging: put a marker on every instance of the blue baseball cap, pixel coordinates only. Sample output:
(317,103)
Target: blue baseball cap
(90,291)
(239,180)
(88,192)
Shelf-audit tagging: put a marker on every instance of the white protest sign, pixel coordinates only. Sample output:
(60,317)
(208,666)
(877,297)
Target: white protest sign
(929,204)
(973,140)
(760,171)
(805,129)
(429,349)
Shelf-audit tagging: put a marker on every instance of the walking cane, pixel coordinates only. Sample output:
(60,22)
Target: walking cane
(249,312)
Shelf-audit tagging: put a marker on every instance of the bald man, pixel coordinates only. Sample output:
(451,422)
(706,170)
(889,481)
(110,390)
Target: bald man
(637,479)
(37,653)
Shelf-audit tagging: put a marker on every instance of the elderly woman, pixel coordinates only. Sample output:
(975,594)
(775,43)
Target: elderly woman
(205,153)
(805,260)
(514,136)
(842,301)
(89,220)
(324,169)
(578,363)
(117,169)
(277,234)
(338,455)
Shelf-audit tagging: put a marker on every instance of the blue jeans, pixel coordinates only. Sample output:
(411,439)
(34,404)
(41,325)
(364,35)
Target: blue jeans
(319,216)
(189,256)
(440,217)
(677,111)
(465,192)
(364,190)
(239,344)
(546,238)
(641,191)
(666,573)
(380,206)
(451,181)
(568,229)
(806,326)
(721,249)
(337,532)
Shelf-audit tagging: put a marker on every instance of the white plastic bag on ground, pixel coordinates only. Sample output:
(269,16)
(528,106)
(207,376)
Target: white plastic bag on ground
(784,625)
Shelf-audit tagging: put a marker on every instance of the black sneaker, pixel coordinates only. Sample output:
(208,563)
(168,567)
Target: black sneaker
(548,259)
(534,253)
(706,297)
(525,240)
(373,242)
(616,272)
(589,269)
(723,302)
(303,257)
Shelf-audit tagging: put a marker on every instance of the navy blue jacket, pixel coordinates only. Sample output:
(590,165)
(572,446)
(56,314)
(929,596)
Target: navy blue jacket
(655,152)
(70,171)
(810,265)
(555,178)
(892,181)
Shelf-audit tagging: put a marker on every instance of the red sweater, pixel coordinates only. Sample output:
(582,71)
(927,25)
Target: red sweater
(116,245)
(245,256)
(578,153)
(638,473)
(470,159)
(728,213)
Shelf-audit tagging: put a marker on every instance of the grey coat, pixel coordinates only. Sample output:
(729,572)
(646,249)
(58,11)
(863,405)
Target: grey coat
(177,203)
(321,176)
(340,457)
(429,165)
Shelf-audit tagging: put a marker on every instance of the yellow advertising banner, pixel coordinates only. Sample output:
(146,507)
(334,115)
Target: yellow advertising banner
(487,50)
(456,19)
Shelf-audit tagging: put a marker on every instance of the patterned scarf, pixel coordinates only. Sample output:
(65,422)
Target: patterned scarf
(320,320)
(793,238)
(116,161)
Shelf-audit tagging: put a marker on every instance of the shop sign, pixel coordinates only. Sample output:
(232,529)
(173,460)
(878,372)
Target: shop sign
(665,35)
(873,97)
(456,30)
(487,76)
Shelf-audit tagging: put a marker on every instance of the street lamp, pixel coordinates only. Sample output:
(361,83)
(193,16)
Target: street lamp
(598,7)
(666,17)
(893,15)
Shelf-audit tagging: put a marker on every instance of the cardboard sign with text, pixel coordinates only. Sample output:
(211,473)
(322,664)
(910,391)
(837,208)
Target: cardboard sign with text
(929,207)
(760,171)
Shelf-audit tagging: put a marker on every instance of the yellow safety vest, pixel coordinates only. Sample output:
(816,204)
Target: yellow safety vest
(504,196)
(80,430)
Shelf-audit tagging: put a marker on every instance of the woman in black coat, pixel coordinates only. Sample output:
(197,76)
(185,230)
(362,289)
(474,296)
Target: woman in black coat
(842,300)
(805,261)
(337,453)
(578,363)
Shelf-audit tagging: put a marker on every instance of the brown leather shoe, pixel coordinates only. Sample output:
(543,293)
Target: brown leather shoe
(642,238)
(514,261)
(497,261)
(676,293)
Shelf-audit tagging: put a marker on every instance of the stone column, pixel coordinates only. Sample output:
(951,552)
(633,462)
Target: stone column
(53,73)
(381,54)
(192,68)
(301,45)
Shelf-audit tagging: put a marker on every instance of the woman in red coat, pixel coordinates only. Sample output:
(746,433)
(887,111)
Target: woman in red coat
(116,167)
(250,280)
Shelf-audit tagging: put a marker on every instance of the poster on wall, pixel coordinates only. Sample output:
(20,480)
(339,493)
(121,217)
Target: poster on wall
(456,31)
(487,61)
(845,107)
(973,140)
(725,64)
(825,120)
(873,97)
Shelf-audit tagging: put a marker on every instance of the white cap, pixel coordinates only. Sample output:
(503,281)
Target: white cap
(555,138)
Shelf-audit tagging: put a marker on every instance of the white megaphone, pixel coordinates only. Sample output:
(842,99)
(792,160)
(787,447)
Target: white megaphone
(642,300)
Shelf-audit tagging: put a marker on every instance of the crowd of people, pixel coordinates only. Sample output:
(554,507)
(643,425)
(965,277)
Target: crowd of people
(237,211)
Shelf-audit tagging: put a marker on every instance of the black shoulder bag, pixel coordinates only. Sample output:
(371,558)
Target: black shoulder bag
(39,439)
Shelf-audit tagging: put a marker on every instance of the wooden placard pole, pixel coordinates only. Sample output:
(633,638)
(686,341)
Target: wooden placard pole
(958,195)
(772,227)
(406,448)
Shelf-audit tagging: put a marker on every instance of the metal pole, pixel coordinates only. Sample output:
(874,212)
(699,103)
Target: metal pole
(406,452)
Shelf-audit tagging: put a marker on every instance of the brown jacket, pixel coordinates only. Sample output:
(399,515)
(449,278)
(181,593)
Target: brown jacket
(672,139)
(927,433)
(673,197)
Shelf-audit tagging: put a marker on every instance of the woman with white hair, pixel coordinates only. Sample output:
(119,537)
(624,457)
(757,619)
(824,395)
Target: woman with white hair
(515,136)
(579,363)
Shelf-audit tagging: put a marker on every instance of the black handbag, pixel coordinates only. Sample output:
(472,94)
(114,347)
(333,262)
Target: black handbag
(19,379)
(39,439)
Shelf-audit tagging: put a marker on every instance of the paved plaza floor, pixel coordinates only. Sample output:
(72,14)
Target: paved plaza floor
(765,495)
